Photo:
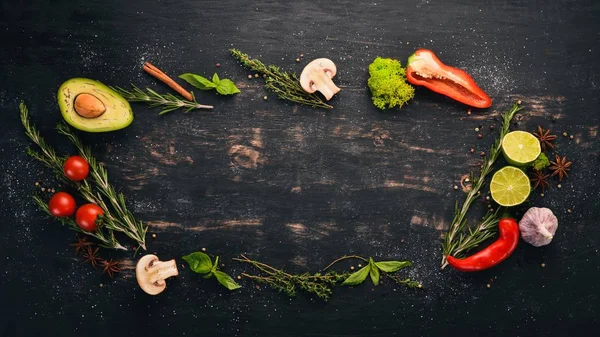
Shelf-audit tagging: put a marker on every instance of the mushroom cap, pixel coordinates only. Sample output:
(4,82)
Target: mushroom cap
(144,277)
(317,65)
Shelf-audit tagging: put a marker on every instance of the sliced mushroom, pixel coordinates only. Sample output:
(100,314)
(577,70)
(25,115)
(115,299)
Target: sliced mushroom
(317,76)
(151,273)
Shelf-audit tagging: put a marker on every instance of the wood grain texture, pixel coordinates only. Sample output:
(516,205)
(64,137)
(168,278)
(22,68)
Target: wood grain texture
(294,186)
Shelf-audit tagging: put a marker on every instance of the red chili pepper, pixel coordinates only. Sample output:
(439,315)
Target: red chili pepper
(494,253)
(424,68)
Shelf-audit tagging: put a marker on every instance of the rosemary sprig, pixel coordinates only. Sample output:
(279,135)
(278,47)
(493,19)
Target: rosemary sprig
(285,84)
(318,283)
(122,220)
(460,238)
(168,102)
(106,240)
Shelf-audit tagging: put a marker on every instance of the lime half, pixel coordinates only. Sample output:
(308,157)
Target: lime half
(520,148)
(510,186)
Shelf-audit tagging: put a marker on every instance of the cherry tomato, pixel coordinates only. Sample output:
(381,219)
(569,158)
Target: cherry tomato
(86,217)
(76,168)
(61,204)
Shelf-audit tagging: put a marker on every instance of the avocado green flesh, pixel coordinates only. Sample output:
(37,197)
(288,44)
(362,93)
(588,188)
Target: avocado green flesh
(118,114)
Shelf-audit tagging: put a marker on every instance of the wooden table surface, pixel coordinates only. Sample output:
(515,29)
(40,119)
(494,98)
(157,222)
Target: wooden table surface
(293,186)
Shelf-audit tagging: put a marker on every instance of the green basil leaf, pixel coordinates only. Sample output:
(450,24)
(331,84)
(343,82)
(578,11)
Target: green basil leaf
(392,266)
(357,277)
(199,262)
(216,79)
(226,87)
(374,272)
(198,81)
(226,280)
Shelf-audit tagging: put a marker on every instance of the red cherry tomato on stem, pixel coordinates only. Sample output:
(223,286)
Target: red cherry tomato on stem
(86,217)
(76,168)
(61,204)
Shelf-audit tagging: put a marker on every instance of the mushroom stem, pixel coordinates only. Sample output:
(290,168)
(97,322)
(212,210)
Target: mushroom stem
(161,270)
(324,84)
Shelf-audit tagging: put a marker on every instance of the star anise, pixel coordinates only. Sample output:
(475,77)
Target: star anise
(539,179)
(81,244)
(560,167)
(110,267)
(545,138)
(91,255)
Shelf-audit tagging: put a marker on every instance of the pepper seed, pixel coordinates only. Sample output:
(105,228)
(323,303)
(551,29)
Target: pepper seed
(571,137)
(543,265)
(469,112)
(476,129)
(203,249)
(559,186)
(455,187)
(472,150)
(565,134)
(249,77)
(297,60)
(482,154)
(256,75)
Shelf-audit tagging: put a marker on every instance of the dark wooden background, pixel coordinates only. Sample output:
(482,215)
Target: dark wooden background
(297,187)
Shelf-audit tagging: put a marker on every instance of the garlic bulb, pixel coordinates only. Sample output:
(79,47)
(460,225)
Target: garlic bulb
(538,226)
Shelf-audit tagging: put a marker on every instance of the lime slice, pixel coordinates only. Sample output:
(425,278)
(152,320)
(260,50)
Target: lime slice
(520,148)
(510,186)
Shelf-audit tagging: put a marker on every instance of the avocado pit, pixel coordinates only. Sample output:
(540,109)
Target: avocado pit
(89,106)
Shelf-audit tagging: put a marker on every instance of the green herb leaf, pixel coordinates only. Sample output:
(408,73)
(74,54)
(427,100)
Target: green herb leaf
(216,79)
(198,81)
(227,87)
(226,280)
(392,266)
(357,277)
(199,262)
(373,272)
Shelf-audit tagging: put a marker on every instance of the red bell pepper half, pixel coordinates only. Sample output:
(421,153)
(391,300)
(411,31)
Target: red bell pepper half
(424,68)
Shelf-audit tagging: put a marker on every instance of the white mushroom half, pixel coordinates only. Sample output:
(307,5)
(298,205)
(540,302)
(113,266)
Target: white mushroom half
(317,76)
(151,273)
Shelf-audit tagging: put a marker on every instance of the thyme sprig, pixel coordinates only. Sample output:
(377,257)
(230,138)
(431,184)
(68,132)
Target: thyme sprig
(168,102)
(117,218)
(460,237)
(319,284)
(285,84)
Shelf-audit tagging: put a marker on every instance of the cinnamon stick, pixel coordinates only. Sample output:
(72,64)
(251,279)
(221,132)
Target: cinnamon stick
(158,74)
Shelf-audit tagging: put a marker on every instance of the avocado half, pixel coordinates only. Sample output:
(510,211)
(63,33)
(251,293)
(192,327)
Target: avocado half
(91,106)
